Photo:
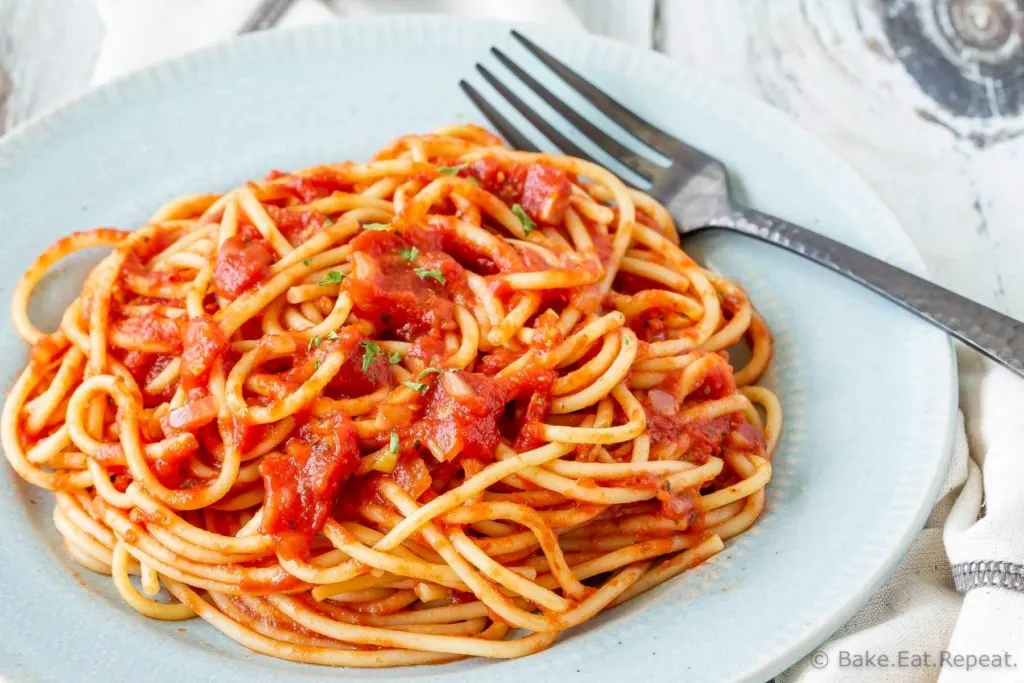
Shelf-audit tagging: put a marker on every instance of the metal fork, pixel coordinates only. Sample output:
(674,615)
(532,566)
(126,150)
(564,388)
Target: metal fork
(695,188)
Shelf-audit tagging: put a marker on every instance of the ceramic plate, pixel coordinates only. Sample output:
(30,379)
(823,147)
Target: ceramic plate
(868,390)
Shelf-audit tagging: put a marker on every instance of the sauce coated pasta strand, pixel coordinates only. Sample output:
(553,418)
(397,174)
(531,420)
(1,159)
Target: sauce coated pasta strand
(447,403)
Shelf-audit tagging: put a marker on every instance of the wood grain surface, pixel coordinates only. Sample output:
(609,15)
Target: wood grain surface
(47,48)
(929,113)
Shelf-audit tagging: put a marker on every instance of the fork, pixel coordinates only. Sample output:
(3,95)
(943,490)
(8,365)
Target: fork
(695,189)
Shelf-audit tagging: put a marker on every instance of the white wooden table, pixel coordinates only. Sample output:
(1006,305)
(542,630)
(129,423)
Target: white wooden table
(924,97)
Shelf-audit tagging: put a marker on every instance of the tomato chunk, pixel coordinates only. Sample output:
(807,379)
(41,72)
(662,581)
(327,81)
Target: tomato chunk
(407,298)
(366,368)
(205,341)
(702,438)
(462,411)
(241,263)
(301,482)
(546,192)
(297,226)
(542,190)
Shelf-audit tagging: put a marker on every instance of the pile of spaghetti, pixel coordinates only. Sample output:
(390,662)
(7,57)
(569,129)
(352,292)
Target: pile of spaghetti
(447,403)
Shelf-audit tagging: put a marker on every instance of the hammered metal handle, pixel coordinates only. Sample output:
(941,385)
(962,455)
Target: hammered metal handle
(999,337)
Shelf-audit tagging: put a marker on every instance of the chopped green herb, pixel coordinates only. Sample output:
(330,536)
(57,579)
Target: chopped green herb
(307,261)
(394,443)
(316,365)
(528,224)
(425,274)
(417,386)
(332,335)
(627,341)
(451,170)
(376,226)
(394,358)
(328,223)
(314,342)
(333,277)
(409,254)
(370,352)
(473,180)
(429,371)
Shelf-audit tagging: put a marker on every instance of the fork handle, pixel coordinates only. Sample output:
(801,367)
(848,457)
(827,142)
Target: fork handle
(998,336)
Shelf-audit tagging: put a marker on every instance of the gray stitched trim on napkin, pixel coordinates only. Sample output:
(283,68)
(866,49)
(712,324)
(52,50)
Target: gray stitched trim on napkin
(968,575)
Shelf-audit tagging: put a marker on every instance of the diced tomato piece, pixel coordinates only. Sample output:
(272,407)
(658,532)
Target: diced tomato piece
(460,418)
(704,437)
(542,190)
(205,341)
(409,299)
(297,226)
(310,187)
(352,380)
(494,176)
(241,263)
(528,437)
(546,192)
(301,482)
(430,347)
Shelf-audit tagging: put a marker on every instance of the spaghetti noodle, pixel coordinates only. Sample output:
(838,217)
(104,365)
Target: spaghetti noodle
(447,403)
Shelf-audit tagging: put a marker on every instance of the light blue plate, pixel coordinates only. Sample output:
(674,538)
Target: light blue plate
(868,389)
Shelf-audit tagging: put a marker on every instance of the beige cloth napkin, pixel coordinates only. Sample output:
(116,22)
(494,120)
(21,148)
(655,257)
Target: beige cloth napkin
(927,629)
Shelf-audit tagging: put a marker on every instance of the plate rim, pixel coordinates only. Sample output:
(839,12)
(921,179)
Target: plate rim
(903,248)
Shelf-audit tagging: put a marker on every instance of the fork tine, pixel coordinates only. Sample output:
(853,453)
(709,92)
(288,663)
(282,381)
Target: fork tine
(543,126)
(620,152)
(657,139)
(507,130)
(549,131)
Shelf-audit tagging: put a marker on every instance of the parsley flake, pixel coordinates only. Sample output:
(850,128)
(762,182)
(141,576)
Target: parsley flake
(307,261)
(328,223)
(417,386)
(316,365)
(376,227)
(394,358)
(393,447)
(429,371)
(314,342)
(409,254)
(528,224)
(333,278)
(451,170)
(332,335)
(370,352)
(627,341)
(426,274)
